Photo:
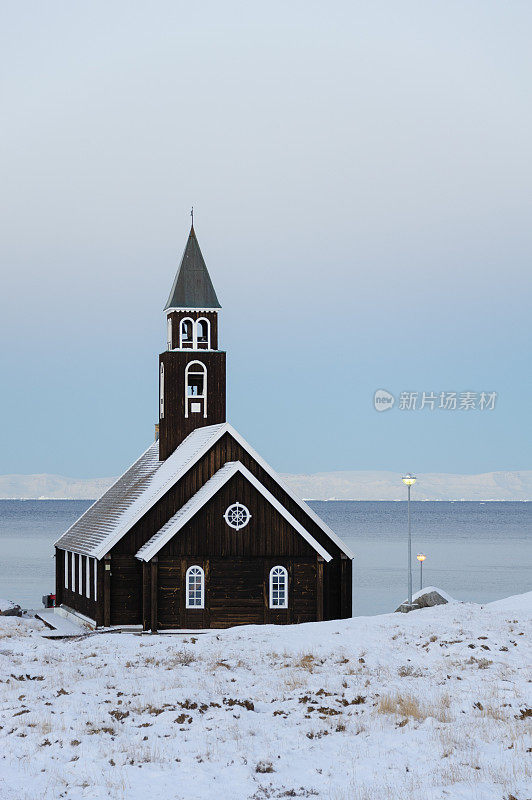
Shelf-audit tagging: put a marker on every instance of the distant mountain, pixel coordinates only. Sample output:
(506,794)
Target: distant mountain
(51,487)
(319,486)
(430,486)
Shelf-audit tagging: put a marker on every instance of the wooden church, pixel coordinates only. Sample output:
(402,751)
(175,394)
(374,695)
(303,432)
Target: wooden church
(200,532)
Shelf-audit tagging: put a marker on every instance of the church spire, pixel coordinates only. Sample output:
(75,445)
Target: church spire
(192,287)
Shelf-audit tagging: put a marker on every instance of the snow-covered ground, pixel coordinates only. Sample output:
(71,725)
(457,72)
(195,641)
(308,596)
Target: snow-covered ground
(424,706)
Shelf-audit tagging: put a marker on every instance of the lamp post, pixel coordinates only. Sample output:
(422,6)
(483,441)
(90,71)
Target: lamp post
(409,481)
(421,558)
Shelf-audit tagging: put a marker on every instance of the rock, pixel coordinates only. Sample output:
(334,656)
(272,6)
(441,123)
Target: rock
(9,609)
(431,596)
(404,608)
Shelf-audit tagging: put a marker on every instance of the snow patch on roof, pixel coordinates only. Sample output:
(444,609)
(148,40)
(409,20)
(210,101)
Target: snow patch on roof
(133,494)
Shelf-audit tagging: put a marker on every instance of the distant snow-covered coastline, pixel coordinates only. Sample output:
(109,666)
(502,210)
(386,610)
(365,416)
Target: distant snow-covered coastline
(347,485)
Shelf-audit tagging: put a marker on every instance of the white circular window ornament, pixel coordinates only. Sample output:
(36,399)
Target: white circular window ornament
(237,516)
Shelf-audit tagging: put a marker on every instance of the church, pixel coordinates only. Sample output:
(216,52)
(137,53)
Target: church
(200,532)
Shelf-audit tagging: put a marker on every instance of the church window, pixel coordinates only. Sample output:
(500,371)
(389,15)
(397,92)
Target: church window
(95,579)
(73,572)
(195,579)
(169,332)
(237,516)
(278,587)
(87,577)
(186,334)
(65,555)
(195,387)
(203,333)
(161,392)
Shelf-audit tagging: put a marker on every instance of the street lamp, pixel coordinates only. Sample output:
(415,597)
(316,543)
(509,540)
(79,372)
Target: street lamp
(421,558)
(409,481)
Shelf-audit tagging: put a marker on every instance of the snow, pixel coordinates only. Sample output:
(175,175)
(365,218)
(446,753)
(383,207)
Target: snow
(424,706)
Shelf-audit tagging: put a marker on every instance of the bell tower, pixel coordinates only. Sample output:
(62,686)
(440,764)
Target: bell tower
(192,369)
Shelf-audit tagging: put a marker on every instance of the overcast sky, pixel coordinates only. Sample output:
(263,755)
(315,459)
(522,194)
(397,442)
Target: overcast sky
(361,176)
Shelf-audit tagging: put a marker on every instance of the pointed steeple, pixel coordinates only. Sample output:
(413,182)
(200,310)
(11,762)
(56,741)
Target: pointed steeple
(192,287)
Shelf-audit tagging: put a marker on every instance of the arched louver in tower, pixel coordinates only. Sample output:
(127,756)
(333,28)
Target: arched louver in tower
(195,388)
(186,334)
(203,334)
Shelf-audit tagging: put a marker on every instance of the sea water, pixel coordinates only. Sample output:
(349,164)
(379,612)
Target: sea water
(475,551)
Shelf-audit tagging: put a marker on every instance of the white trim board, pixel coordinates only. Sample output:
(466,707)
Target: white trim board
(203,495)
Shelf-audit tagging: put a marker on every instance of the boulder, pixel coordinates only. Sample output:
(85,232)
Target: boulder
(431,596)
(9,609)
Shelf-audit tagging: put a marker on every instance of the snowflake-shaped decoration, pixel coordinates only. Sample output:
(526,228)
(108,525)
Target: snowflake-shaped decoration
(237,516)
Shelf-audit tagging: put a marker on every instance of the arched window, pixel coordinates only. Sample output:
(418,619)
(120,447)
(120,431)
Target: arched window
(186,334)
(203,333)
(195,587)
(195,388)
(161,392)
(278,587)
(169,332)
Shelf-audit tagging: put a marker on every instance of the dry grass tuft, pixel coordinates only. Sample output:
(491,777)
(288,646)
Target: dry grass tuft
(403,704)
(307,661)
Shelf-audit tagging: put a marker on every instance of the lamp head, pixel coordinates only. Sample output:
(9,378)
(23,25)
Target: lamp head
(409,480)
(421,557)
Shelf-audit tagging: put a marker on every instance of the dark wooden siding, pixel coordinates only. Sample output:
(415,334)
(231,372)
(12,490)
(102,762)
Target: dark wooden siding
(126,590)
(174,426)
(266,534)
(236,592)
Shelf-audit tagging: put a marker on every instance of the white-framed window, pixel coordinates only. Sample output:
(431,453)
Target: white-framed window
(237,516)
(186,334)
(203,334)
(65,556)
(195,587)
(161,392)
(73,572)
(195,388)
(95,579)
(87,577)
(278,587)
(169,332)
(80,574)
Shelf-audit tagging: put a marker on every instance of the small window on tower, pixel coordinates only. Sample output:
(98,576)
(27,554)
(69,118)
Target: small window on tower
(169,332)
(187,333)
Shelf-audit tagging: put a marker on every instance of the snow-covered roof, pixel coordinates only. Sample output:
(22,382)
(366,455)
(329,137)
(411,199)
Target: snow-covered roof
(144,483)
(133,494)
(203,495)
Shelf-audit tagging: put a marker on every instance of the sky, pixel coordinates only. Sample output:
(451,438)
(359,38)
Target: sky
(360,174)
